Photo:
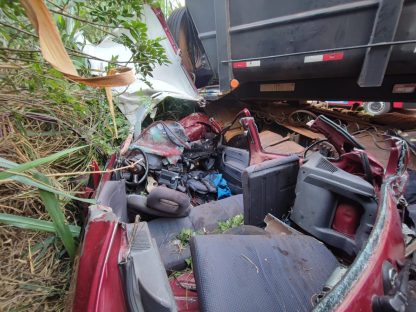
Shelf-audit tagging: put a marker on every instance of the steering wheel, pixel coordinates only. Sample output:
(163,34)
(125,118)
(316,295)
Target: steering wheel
(324,147)
(138,165)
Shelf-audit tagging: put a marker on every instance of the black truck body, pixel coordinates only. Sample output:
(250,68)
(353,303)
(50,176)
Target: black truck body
(309,49)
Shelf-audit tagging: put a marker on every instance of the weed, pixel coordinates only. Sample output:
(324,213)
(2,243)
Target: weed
(230,223)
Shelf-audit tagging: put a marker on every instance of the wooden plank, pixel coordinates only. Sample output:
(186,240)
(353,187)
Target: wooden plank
(287,147)
(268,138)
(305,132)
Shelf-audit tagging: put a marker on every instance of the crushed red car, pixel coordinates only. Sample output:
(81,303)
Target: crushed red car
(322,226)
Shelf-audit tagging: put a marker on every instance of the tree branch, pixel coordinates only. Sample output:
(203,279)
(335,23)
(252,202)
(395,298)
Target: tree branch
(62,12)
(19,30)
(73,53)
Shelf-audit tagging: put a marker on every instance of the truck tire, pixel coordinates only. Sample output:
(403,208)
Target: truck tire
(377,108)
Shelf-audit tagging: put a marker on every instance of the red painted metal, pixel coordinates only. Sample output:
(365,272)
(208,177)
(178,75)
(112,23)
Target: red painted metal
(158,12)
(351,158)
(198,124)
(352,162)
(391,247)
(257,153)
(96,177)
(184,291)
(106,176)
(390,244)
(99,287)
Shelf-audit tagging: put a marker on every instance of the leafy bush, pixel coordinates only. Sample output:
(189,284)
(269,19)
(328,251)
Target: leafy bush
(41,114)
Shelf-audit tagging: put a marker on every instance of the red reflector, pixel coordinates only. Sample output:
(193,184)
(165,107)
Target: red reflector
(333,56)
(398,105)
(240,65)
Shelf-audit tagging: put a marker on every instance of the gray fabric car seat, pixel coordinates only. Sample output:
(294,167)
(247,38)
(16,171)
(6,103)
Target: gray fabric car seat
(113,194)
(201,218)
(161,202)
(269,187)
(259,272)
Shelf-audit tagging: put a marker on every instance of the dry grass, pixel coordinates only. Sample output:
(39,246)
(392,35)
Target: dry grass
(34,270)
(33,275)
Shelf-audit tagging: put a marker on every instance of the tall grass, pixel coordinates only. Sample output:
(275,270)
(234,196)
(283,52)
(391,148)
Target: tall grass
(44,133)
(47,193)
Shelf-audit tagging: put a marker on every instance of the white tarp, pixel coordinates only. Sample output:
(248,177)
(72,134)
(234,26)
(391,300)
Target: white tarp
(138,99)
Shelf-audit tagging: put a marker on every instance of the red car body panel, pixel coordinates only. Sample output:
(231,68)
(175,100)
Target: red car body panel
(363,280)
(98,285)
(391,247)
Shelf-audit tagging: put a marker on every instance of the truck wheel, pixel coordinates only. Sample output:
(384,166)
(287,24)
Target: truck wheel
(377,108)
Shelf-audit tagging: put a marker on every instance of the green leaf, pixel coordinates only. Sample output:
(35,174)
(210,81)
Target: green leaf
(42,247)
(35,163)
(54,210)
(39,184)
(230,223)
(34,224)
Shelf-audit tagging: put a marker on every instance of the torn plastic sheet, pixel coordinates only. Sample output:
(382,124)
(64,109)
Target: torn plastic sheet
(169,80)
(164,138)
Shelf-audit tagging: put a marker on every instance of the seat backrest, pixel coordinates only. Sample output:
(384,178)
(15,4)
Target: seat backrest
(233,162)
(113,194)
(335,206)
(269,187)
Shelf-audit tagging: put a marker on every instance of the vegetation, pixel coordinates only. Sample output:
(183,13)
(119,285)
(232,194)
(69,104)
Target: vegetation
(35,262)
(50,131)
(185,234)
(231,223)
(81,22)
(167,6)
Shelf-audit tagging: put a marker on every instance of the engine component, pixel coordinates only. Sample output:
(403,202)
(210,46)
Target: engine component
(199,182)
(155,161)
(202,152)
(197,125)
(170,162)
(169,178)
